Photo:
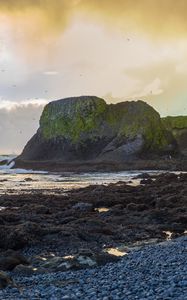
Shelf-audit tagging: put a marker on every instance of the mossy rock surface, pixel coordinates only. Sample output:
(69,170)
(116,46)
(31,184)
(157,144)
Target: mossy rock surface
(87,128)
(72,117)
(178,122)
(178,126)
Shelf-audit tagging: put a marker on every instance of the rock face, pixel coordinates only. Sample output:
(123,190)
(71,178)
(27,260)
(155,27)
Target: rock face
(178,127)
(87,129)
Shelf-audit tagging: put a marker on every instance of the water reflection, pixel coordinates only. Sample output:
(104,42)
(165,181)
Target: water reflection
(66,181)
(168,235)
(102,209)
(116,252)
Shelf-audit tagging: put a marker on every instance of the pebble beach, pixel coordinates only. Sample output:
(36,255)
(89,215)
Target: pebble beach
(152,272)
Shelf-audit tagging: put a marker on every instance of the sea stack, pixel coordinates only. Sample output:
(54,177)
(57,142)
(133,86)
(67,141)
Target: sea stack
(87,129)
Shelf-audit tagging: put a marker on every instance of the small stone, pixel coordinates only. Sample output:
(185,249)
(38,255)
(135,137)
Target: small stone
(66,297)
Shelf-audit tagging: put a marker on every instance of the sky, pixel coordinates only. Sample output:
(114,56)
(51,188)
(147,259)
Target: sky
(119,50)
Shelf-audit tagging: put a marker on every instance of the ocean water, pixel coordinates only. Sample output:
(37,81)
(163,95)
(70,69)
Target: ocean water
(22,180)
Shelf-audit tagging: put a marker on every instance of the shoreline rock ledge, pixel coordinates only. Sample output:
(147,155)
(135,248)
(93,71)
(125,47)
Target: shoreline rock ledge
(86,129)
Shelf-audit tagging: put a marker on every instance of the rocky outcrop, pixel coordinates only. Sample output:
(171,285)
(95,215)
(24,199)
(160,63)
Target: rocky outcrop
(178,127)
(86,129)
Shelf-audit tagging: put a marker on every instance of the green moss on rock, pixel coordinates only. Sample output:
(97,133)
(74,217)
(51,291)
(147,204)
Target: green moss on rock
(137,118)
(80,118)
(72,117)
(171,123)
(178,126)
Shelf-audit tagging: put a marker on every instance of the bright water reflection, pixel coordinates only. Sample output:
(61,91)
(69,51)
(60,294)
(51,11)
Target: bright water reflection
(24,180)
(47,181)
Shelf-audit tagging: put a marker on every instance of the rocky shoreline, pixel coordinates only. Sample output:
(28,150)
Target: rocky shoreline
(49,236)
(71,219)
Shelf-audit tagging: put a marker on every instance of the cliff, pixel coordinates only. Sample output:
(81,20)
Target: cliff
(178,127)
(86,129)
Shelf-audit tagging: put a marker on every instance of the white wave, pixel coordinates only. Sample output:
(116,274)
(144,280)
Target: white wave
(10,163)
(19,171)
(8,166)
(8,169)
(7,158)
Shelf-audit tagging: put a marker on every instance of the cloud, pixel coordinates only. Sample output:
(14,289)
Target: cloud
(50,73)
(59,48)
(152,88)
(12,105)
(18,122)
(160,17)
(33,28)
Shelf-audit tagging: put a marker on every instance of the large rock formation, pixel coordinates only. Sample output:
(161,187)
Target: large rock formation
(83,129)
(178,127)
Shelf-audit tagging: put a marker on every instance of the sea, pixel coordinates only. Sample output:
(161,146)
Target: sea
(12,179)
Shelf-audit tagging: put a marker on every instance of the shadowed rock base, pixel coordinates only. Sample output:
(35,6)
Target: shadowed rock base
(58,166)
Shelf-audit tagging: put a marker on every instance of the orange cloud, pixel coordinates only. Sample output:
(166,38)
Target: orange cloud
(159,17)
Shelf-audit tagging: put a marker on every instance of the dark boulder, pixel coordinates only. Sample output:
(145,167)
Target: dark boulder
(10,259)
